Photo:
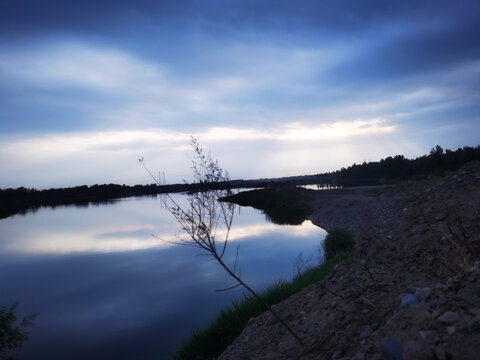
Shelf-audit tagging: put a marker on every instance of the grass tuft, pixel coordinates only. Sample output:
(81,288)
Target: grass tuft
(337,242)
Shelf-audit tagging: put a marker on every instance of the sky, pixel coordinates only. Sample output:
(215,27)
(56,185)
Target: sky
(271,88)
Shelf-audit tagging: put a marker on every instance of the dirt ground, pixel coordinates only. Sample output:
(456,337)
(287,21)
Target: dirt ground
(412,291)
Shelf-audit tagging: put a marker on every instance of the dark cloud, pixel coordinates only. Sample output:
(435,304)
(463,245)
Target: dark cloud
(412,54)
(27,18)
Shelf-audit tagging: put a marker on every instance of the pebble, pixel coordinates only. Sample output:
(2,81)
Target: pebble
(448,317)
(366,333)
(391,349)
(422,293)
(408,299)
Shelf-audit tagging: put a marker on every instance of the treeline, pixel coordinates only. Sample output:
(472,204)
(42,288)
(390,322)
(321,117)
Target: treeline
(386,171)
(398,168)
(18,200)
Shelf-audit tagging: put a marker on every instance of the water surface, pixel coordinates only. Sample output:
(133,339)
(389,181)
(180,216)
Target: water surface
(105,288)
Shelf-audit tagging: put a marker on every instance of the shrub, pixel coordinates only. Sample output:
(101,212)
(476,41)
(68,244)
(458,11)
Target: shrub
(12,332)
(336,242)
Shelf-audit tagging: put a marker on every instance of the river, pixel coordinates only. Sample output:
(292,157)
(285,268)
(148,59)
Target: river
(107,283)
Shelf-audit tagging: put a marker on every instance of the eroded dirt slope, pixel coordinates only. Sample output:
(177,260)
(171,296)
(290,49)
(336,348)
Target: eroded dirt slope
(411,292)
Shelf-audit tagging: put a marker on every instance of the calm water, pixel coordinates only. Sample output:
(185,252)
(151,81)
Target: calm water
(105,288)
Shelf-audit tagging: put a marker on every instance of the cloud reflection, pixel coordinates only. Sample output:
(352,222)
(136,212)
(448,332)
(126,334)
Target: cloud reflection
(106,237)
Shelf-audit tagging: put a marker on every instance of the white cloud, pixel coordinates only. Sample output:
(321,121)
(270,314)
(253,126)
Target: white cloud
(78,65)
(111,156)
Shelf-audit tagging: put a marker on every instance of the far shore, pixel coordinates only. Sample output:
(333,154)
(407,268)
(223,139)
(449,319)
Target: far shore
(22,200)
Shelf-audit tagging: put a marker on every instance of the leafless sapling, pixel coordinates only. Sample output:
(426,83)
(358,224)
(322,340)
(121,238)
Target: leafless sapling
(207,222)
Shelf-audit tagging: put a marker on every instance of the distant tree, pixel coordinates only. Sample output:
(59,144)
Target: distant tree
(437,150)
(397,168)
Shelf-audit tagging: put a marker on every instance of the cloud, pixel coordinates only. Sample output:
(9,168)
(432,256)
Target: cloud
(109,87)
(411,50)
(111,156)
(23,17)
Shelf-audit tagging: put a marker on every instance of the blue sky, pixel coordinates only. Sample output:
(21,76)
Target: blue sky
(272,88)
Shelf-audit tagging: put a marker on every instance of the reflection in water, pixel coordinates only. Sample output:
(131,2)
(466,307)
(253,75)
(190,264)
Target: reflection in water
(105,288)
(80,232)
(34,208)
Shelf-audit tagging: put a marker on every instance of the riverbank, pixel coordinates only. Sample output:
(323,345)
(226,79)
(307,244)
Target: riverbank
(412,287)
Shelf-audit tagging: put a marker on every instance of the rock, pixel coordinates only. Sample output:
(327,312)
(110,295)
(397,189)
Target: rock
(408,299)
(448,317)
(391,349)
(422,293)
(411,289)
(362,262)
(366,333)
(451,329)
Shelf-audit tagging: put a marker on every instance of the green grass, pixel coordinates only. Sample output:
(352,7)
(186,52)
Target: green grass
(336,242)
(211,341)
